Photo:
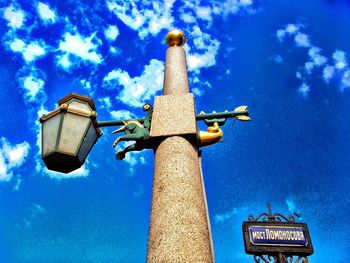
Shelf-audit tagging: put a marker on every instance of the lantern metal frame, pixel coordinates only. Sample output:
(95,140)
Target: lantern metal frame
(53,155)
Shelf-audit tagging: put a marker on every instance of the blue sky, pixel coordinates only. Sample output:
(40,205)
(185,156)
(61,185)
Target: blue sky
(287,60)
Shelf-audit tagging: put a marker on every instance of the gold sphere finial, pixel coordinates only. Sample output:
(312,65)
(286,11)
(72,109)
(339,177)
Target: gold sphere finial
(175,38)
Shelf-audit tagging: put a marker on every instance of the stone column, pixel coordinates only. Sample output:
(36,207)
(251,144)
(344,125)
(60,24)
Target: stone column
(179,226)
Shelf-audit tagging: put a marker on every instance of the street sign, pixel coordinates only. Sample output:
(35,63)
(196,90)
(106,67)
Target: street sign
(277,237)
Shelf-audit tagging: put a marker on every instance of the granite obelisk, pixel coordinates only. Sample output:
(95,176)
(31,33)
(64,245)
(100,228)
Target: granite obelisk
(179,226)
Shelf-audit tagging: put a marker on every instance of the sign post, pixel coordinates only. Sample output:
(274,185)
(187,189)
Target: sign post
(273,237)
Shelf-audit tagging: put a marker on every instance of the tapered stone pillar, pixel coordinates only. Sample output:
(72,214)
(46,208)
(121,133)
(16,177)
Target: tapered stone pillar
(179,226)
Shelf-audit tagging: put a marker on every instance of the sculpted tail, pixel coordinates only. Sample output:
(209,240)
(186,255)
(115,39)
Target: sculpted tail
(214,135)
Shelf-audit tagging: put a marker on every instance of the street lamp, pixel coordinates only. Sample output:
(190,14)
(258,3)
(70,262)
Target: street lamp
(179,225)
(68,133)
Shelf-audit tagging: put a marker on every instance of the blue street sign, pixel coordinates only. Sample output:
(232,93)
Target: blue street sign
(277,235)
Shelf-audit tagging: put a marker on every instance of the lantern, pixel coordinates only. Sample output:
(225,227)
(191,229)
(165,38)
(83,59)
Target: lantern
(68,133)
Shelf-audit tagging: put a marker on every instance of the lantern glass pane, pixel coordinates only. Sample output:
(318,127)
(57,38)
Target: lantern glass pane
(89,141)
(79,106)
(73,131)
(50,130)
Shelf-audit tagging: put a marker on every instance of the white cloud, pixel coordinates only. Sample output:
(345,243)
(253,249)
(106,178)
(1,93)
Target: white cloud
(114,51)
(78,46)
(15,17)
(204,12)
(17,45)
(46,13)
(302,40)
(197,91)
(292,207)
(207,47)
(220,218)
(339,69)
(30,52)
(187,18)
(298,75)
(86,84)
(111,33)
(304,89)
(246,2)
(346,79)
(33,51)
(64,61)
(328,73)
(105,103)
(278,58)
(289,29)
(229,7)
(340,60)
(137,90)
(122,115)
(134,19)
(81,172)
(309,66)
(316,57)
(32,82)
(33,85)
(292,28)
(132,158)
(11,157)
(145,17)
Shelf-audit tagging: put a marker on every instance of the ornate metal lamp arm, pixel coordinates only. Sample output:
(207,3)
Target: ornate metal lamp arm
(241,113)
(116,123)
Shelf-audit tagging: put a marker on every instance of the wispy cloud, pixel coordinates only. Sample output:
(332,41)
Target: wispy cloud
(11,157)
(220,218)
(331,68)
(122,115)
(33,212)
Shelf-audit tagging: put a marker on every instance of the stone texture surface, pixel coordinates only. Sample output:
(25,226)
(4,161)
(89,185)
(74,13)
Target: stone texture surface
(179,227)
(173,115)
(175,76)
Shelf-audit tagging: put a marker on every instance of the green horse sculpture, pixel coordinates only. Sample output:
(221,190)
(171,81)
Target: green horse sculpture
(135,131)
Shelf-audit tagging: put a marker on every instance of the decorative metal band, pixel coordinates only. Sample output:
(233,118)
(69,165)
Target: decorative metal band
(65,108)
(299,259)
(276,217)
(266,259)
(274,259)
(271,217)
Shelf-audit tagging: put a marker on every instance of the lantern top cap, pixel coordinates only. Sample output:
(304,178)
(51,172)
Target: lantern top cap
(175,38)
(79,97)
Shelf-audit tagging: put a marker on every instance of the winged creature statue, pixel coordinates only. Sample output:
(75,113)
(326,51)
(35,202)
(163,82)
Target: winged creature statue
(135,131)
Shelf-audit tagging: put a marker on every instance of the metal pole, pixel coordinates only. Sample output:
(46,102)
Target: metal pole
(281,258)
(179,228)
